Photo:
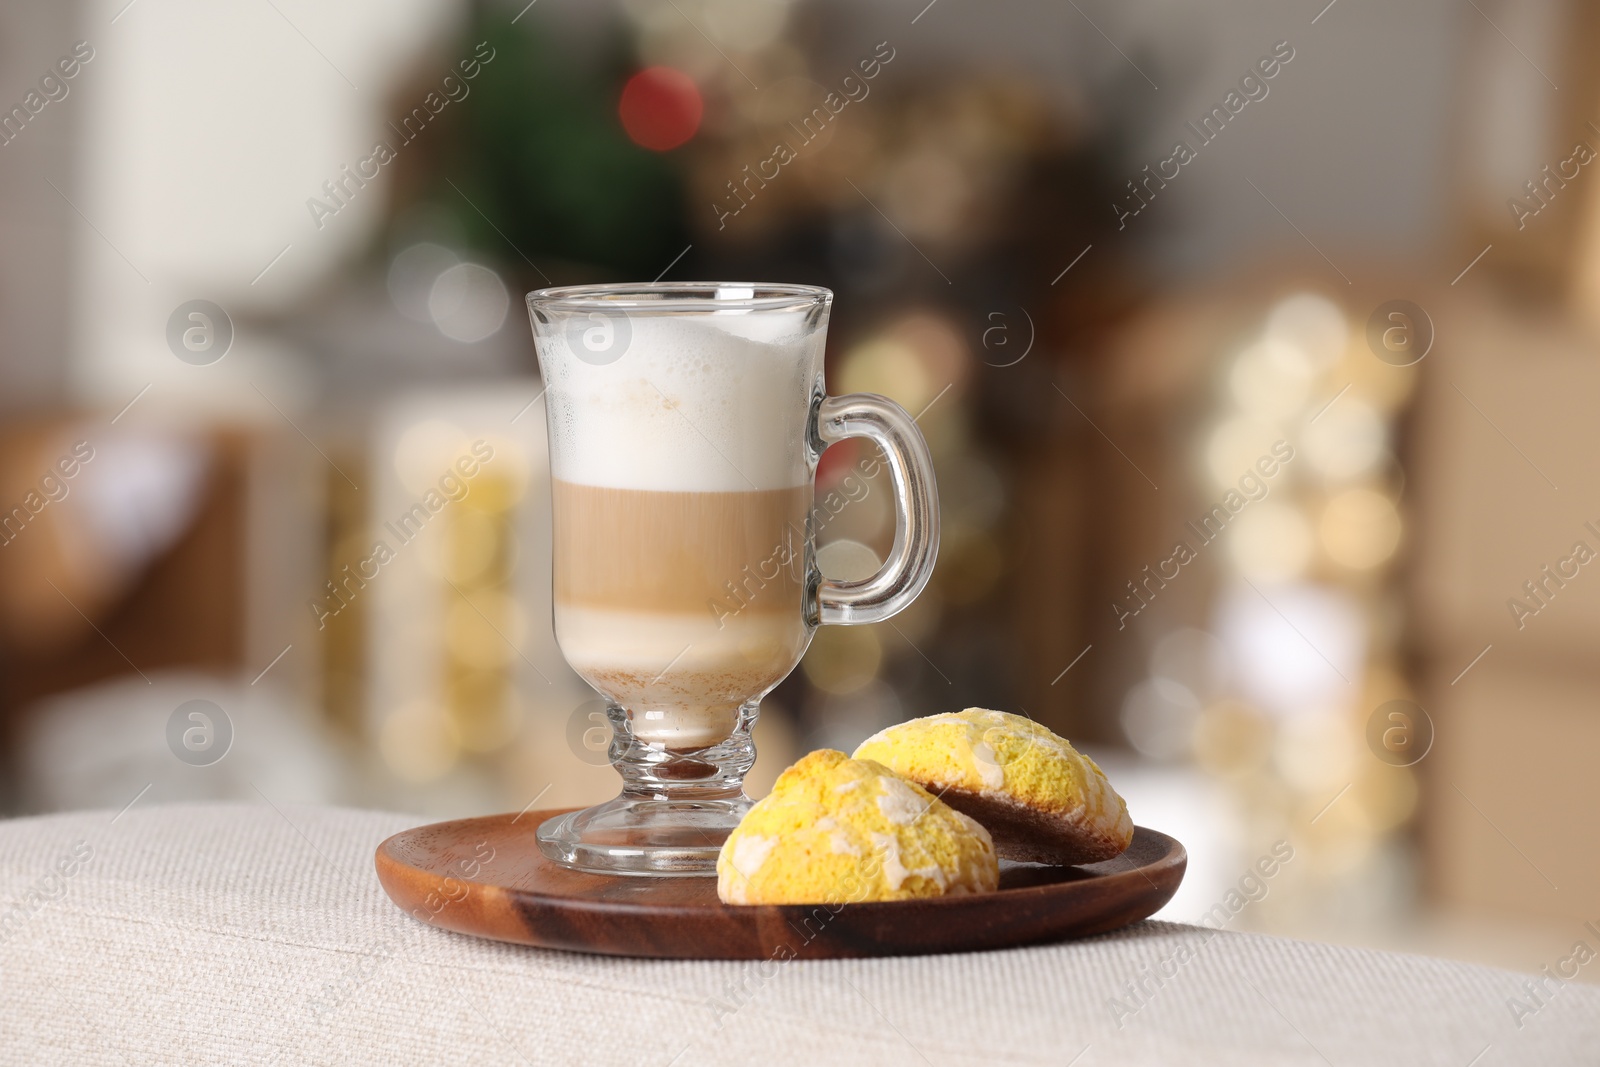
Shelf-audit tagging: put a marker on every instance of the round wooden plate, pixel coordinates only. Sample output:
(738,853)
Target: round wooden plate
(487,877)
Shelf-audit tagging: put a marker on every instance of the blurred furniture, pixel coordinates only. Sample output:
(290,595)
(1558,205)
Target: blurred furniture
(1504,485)
(78,606)
(204,934)
(101,745)
(167,547)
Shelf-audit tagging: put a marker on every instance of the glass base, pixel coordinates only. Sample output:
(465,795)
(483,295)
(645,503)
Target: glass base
(676,809)
(627,836)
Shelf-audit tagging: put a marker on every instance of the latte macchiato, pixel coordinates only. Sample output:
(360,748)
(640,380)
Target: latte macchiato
(685,423)
(682,486)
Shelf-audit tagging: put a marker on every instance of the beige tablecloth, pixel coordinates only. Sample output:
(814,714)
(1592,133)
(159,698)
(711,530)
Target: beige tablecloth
(210,934)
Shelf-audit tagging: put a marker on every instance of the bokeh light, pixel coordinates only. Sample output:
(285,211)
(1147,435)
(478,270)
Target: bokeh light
(1360,528)
(660,108)
(889,367)
(847,560)
(1316,751)
(412,273)
(468,302)
(477,541)
(1271,379)
(425,452)
(1233,448)
(842,659)
(1346,441)
(1294,648)
(1270,542)
(1312,323)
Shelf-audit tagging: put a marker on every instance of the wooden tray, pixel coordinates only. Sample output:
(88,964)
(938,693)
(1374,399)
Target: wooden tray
(487,877)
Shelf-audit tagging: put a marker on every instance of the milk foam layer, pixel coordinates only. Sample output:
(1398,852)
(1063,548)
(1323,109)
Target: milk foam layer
(714,402)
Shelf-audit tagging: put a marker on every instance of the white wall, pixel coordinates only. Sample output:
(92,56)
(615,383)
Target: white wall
(208,128)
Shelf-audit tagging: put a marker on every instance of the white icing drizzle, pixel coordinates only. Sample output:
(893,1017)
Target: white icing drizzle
(750,852)
(838,839)
(988,765)
(894,872)
(899,803)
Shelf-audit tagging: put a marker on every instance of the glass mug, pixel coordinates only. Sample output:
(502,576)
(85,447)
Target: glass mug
(685,422)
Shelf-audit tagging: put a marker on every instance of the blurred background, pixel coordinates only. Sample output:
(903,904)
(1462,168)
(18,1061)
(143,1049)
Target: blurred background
(1255,344)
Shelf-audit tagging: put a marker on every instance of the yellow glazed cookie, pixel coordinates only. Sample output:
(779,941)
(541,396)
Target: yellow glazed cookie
(1040,799)
(835,830)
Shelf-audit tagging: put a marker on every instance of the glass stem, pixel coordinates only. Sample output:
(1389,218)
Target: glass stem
(654,772)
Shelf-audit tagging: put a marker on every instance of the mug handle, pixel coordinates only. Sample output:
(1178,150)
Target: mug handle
(916,533)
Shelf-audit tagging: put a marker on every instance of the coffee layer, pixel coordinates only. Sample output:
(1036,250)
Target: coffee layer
(717,554)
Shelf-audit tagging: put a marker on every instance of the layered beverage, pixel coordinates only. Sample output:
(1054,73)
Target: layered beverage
(685,420)
(682,478)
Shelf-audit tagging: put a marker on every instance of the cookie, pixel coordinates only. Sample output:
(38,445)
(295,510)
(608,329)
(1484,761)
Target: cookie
(836,830)
(1040,799)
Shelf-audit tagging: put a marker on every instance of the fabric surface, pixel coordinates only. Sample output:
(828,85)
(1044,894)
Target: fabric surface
(250,934)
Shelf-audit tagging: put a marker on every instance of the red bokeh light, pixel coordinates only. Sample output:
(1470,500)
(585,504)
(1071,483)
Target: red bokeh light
(836,462)
(660,108)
